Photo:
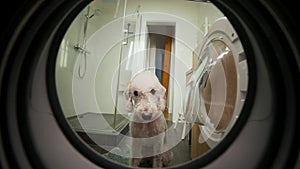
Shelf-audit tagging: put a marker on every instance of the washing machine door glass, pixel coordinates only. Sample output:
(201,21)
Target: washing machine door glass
(218,91)
(219,87)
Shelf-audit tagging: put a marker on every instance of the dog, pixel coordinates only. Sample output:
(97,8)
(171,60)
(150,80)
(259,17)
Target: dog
(146,99)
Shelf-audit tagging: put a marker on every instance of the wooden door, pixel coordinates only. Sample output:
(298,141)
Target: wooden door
(166,69)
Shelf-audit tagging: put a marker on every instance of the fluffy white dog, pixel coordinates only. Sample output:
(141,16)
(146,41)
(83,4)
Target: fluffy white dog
(146,98)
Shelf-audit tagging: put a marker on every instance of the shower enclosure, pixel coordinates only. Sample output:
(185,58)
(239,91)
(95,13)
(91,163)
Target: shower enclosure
(91,79)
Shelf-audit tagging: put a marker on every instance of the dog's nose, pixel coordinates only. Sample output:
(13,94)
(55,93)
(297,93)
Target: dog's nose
(146,116)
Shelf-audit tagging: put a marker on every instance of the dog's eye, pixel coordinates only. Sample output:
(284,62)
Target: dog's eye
(136,93)
(152,92)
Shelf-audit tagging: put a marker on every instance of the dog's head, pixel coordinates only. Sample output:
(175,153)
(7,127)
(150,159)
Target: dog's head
(145,97)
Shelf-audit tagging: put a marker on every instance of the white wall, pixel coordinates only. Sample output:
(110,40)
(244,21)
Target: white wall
(94,92)
(66,59)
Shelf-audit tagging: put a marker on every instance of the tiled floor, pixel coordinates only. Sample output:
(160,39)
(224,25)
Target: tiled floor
(180,148)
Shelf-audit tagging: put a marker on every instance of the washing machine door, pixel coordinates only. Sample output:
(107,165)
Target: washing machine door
(220,82)
(247,120)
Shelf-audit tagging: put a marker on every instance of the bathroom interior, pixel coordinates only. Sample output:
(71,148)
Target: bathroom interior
(110,41)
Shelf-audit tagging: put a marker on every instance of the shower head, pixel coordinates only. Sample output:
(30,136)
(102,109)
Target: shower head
(96,12)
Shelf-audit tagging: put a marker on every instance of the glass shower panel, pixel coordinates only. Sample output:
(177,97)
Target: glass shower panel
(126,68)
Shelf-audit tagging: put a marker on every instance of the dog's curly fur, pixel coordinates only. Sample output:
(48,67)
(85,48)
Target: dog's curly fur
(146,98)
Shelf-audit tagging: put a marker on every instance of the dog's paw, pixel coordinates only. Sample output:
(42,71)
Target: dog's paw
(167,157)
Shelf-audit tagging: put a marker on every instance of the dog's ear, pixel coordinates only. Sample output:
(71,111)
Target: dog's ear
(162,100)
(128,97)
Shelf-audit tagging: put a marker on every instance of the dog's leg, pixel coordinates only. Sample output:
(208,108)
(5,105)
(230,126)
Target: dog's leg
(136,152)
(157,161)
(167,157)
(158,148)
(135,162)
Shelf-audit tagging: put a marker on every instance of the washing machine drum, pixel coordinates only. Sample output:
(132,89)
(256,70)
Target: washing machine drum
(220,82)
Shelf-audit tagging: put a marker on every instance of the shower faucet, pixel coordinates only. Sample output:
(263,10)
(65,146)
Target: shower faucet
(80,49)
(127,32)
